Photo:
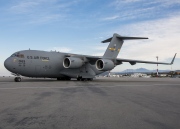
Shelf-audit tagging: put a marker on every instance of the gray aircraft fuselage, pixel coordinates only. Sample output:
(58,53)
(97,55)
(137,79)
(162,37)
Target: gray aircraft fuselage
(33,63)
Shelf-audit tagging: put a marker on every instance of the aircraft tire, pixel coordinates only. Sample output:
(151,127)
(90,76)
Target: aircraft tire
(59,78)
(68,78)
(17,79)
(85,79)
(82,79)
(90,79)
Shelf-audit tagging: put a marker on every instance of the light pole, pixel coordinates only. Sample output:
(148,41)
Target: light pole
(157,65)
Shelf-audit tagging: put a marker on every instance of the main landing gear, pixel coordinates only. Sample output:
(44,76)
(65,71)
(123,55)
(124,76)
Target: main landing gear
(17,79)
(78,79)
(84,79)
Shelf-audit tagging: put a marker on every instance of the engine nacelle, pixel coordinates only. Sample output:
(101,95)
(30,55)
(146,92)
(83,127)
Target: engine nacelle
(104,64)
(72,62)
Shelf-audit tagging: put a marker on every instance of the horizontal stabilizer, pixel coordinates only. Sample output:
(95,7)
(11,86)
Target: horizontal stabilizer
(107,40)
(130,38)
(123,38)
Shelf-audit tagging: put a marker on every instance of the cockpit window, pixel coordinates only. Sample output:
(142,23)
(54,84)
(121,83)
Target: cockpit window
(13,55)
(18,55)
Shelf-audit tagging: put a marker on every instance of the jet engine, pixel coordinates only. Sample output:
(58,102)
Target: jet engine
(72,62)
(104,64)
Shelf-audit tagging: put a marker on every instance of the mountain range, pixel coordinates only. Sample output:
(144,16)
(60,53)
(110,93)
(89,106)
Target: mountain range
(142,70)
(139,70)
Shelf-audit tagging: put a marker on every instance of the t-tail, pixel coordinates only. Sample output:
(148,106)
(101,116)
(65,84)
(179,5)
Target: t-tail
(115,45)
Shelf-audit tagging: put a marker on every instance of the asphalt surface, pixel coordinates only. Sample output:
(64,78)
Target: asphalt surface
(105,103)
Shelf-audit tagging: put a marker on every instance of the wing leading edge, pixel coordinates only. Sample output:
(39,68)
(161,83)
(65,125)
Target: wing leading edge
(133,62)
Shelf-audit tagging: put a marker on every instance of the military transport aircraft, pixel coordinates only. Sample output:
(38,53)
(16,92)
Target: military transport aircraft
(64,66)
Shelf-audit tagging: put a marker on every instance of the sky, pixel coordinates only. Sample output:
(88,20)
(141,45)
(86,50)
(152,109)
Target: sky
(79,26)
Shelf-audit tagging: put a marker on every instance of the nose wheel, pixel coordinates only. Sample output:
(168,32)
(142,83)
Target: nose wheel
(17,79)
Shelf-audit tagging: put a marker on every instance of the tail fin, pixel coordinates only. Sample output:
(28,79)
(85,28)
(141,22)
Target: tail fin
(115,45)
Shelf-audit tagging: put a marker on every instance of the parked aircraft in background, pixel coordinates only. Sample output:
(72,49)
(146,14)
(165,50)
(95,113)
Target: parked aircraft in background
(64,66)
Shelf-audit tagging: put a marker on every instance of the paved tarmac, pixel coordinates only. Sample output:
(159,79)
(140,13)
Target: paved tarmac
(105,103)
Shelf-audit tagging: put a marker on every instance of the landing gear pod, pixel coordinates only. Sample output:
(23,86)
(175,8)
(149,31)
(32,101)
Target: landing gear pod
(72,62)
(104,64)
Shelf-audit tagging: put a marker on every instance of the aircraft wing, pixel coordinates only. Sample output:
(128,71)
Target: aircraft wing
(133,62)
(93,59)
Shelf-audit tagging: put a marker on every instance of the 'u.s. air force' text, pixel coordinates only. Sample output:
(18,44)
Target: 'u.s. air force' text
(38,57)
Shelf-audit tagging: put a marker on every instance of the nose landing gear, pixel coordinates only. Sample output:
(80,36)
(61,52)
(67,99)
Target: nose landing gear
(17,79)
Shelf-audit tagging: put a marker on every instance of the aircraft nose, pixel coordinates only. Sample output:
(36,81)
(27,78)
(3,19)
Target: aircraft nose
(7,63)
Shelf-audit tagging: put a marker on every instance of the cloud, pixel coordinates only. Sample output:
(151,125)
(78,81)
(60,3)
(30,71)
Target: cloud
(163,35)
(42,11)
(46,18)
(127,1)
(142,10)
(37,6)
(164,2)
(26,6)
(110,18)
(98,54)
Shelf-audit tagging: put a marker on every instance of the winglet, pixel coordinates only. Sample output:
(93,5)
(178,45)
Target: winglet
(173,59)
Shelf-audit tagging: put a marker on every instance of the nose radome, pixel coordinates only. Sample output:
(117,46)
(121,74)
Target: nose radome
(7,63)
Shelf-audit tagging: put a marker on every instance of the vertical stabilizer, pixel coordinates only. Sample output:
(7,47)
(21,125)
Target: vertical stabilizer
(115,45)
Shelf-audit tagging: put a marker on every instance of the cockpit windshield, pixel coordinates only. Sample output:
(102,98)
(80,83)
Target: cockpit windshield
(17,55)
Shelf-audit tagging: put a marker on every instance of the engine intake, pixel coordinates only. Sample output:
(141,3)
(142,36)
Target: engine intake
(104,64)
(72,62)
